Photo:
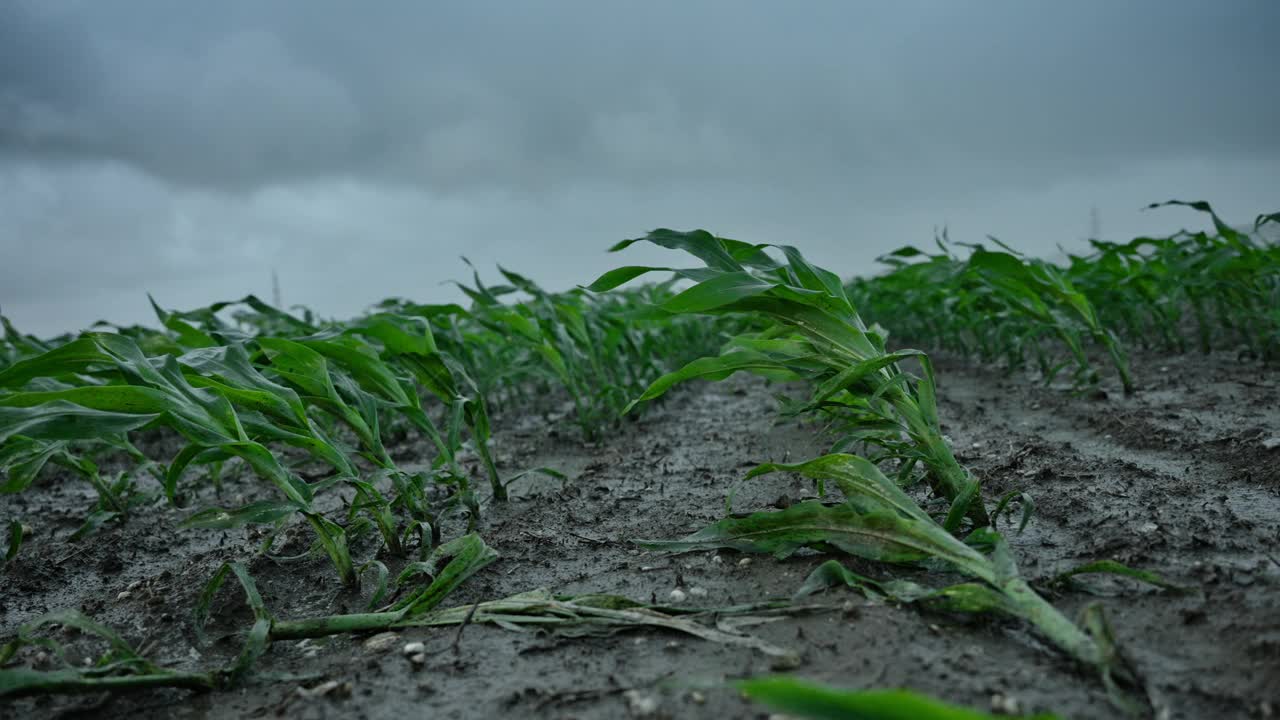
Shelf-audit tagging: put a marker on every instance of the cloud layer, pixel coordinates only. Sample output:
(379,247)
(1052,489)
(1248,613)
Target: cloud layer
(188,149)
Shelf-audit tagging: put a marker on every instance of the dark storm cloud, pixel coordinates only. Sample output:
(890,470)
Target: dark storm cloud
(206,141)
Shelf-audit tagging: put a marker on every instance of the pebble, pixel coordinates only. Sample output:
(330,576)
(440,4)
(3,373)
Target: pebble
(415,648)
(1005,704)
(124,595)
(744,562)
(1271,443)
(418,659)
(639,704)
(134,585)
(327,687)
(1148,528)
(381,642)
(697,697)
(698,591)
(678,596)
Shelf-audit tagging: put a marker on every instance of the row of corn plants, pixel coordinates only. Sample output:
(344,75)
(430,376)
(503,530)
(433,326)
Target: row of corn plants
(263,380)
(1209,290)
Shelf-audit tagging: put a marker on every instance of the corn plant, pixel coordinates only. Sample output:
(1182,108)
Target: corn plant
(880,522)
(814,333)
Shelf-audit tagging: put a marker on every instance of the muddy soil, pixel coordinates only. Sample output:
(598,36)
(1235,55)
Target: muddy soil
(1179,478)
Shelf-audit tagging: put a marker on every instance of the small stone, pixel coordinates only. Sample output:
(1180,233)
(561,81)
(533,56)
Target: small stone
(419,659)
(744,562)
(27,530)
(381,642)
(1271,443)
(1148,528)
(1005,704)
(324,688)
(678,596)
(698,592)
(639,704)
(133,585)
(697,697)
(717,559)
(414,648)
(124,595)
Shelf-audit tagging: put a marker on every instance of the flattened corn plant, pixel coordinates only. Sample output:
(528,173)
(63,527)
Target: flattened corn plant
(814,333)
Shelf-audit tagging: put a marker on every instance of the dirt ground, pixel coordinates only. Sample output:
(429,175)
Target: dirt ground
(1177,479)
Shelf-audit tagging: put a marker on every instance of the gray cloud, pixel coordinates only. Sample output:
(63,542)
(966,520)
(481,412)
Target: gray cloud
(160,145)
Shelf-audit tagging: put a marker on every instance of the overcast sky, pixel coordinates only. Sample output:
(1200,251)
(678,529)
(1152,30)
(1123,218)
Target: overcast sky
(187,148)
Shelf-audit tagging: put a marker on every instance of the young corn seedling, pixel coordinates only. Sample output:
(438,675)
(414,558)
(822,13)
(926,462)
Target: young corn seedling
(815,334)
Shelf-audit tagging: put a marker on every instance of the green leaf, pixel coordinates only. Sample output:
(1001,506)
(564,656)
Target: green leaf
(1111,567)
(64,420)
(74,357)
(809,700)
(710,368)
(699,243)
(883,536)
(15,541)
(129,399)
(22,459)
(724,289)
(621,276)
(262,512)
(468,554)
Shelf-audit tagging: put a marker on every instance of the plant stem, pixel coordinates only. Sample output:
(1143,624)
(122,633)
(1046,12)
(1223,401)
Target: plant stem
(65,681)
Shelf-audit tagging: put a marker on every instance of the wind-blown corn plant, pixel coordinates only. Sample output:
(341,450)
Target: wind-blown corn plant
(813,332)
(880,522)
